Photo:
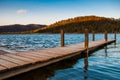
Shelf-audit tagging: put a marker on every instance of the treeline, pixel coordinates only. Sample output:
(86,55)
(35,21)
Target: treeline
(20,29)
(78,24)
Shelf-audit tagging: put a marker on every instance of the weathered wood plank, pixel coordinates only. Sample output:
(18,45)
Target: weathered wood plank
(20,58)
(45,53)
(44,57)
(95,43)
(56,54)
(64,50)
(34,57)
(35,54)
(41,54)
(7,64)
(13,60)
(50,53)
(61,52)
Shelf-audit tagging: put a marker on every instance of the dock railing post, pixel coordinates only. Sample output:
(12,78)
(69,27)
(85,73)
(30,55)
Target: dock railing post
(105,36)
(86,38)
(87,51)
(62,38)
(93,36)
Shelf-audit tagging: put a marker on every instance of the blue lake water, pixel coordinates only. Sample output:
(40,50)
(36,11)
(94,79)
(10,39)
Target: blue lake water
(20,42)
(103,64)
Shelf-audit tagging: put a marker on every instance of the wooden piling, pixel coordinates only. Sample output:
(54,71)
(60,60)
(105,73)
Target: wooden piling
(86,38)
(86,64)
(93,36)
(87,51)
(62,38)
(105,36)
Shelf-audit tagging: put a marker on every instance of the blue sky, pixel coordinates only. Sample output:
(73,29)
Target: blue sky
(50,11)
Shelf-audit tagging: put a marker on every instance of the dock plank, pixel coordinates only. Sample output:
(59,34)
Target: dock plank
(64,50)
(36,54)
(56,54)
(41,54)
(45,53)
(7,64)
(52,53)
(34,57)
(13,60)
(20,58)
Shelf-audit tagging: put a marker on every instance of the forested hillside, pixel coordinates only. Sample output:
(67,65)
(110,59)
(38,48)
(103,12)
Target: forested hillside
(16,28)
(78,24)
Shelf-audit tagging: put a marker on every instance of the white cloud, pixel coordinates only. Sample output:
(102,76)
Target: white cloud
(21,11)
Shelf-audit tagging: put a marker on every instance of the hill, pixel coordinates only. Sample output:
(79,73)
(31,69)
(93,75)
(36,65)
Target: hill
(16,28)
(78,24)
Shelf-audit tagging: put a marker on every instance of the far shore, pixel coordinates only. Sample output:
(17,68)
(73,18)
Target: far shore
(58,33)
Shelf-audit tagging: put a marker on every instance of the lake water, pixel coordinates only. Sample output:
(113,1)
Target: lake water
(20,42)
(103,64)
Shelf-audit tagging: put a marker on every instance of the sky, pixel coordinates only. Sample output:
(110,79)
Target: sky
(51,11)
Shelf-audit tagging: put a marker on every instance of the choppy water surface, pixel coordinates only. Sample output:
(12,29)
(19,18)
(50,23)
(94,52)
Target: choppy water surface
(26,42)
(103,64)
(21,42)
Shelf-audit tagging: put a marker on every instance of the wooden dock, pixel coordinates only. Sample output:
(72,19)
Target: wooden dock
(14,64)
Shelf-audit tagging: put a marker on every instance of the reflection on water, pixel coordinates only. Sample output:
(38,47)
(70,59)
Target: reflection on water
(105,50)
(103,64)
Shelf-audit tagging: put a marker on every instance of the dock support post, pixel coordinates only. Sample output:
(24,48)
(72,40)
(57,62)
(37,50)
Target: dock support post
(86,64)
(86,38)
(106,37)
(93,36)
(62,38)
(87,51)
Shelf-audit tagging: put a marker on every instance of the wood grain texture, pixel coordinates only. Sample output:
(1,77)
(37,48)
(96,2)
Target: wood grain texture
(13,60)
(20,58)
(33,56)
(7,64)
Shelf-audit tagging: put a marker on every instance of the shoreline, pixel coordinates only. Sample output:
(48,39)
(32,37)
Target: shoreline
(53,33)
